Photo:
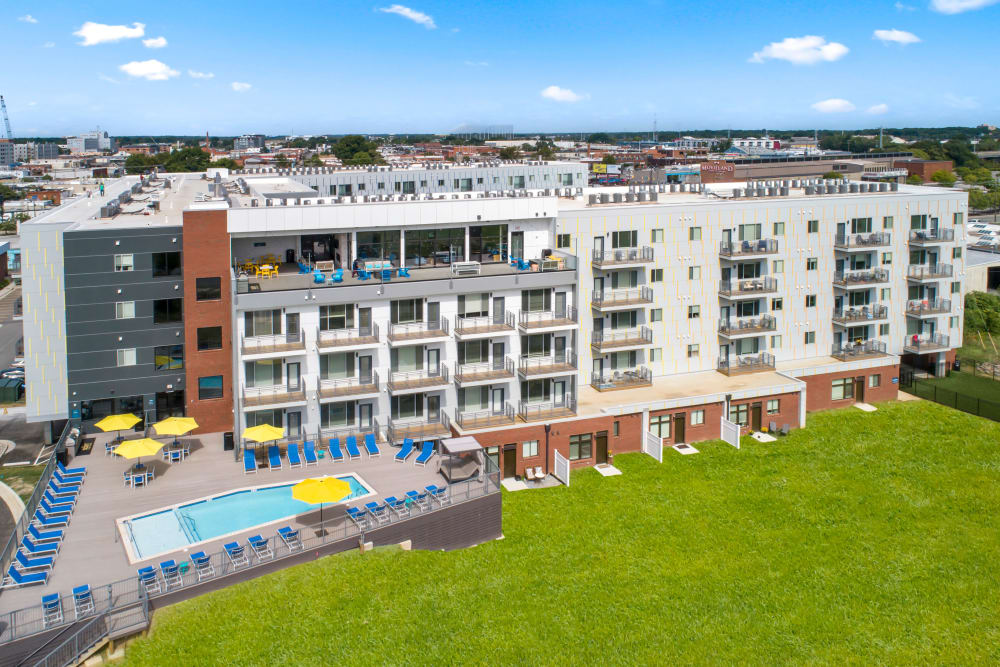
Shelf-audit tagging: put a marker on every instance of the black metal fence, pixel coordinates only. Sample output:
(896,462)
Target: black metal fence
(980,407)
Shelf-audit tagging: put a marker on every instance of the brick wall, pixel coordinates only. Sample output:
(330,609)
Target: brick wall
(819,388)
(924,168)
(709,429)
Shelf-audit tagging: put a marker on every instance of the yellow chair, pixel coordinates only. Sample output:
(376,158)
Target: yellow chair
(273,272)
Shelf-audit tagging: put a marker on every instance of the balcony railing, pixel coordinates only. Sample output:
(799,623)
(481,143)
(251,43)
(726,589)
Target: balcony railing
(485,418)
(738,326)
(352,386)
(343,432)
(558,362)
(529,411)
(418,330)
(465,326)
(921,343)
(345,337)
(929,271)
(860,277)
(746,363)
(864,313)
(925,307)
(748,286)
(293,341)
(620,256)
(622,379)
(862,241)
(929,236)
(609,339)
(541,319)
(431,426)
(612,298)
(497,369)
(403,380)
(273,394)
(747,248)
(858,350)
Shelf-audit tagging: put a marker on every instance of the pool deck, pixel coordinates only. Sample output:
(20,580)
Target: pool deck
(92,552)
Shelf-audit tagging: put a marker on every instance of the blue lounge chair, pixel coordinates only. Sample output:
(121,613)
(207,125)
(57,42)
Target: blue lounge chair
(55,510)
(357,516)
(352,447)
(335,453)
(403,272)
(16,578)
(291,538)
(49,521)
(237,557)
(44,549)
(426,452)
(438,493)
(83,600)
(67,482)
(404,451)
(51,610)
(171,573)
(71,472)
(149,580)
(249,462)
(55,502)
(371,447)
(62,491)
(397,506)
(337,276)
(420,499)
(386,275)
(274,457)
(379,513)
(363,275)
(44,535)
(260,547)
(34,563)
(202,565)
(294,460)
(309,452)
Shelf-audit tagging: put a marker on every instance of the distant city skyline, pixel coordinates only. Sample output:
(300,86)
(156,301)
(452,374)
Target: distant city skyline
(430,67)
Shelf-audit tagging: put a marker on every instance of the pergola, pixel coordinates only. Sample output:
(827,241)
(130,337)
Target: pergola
(461,458)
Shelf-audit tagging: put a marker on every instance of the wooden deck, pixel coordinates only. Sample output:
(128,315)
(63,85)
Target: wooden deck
(488,328)
(418,383)
(551,322)
(530,371)
(499,374)
(416,335)
(252,347)
(553,413)
(275,398)
(472,423)
(345,342)
(347,390)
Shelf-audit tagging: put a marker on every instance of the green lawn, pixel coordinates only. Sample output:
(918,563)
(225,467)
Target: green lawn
(964,382)
(866,538)
(21,478)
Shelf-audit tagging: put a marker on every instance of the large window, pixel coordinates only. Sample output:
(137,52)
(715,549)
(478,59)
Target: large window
(842,388)
(125,310)
(580,446)
(750,232)
(209,387)
(474,305)
(340,316)
(168,311)
(625,239)
(168,357)
(270,417)
(529,449)
(262,323)
(379,245)
(124,262)
(440,247)
(740,414)
(337,415)
(166,264)
(697,417)
(263,373)
(406,311)
(535,300)
(336,366)
(487,243)
(126,357)
(659,425)
(408,406)
(208,289)
(406,359)
(210,338)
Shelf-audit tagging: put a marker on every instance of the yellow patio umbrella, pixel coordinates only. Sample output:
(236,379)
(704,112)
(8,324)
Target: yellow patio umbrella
(118,422)
(136,449)
(175,426)
(321,490)
(263,433)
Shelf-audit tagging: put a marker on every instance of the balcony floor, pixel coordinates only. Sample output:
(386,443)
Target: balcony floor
(269,348)
(855,357)
(484,375)
(422,431)
(620,385)
(618,344)
(274,399)
(471,424)
(419,383)
(354,390)
(554,413)
(346,342)
(621,303)
(544,324)
(545,370)
(485,329)
(415,335)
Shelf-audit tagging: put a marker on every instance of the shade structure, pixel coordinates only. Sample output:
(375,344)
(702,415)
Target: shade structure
(321,490)
(175,426)
(133,449)
(263,433)
(118,422)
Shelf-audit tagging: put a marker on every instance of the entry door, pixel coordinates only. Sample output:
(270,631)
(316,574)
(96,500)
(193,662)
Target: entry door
(509,461)
(560,349)
(560,304)
(292,329)
(433,408)
(859,389)
(365,415)
(498,356)
(433,312)
(498,310)
(727,237)
(293,424)
(365,321)
(497,400)
(365,369)
(755,416)
(517,245)
(293,373)
(678,422)
(601,446)
(841,228)
(433,362)
(559,393)
(599,244)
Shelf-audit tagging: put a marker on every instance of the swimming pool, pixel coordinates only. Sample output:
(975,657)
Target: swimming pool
(171,528)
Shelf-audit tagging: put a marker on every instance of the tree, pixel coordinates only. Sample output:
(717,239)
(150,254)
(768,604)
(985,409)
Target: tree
(723,146)
(510,153)
(545,151)
(363,158)
(281,161)
(944,177)
(609,159)
(915,180)
(350,148)
(227,163)
(313,161)
(600,138)
(833,174)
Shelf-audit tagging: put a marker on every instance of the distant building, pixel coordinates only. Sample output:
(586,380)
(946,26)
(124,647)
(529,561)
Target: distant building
(145,149)
(6,153)
(248,141)
(757,142)
(91,142)
(35,151)
(923,168)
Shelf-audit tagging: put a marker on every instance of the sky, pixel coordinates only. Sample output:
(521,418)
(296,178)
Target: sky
(310,67)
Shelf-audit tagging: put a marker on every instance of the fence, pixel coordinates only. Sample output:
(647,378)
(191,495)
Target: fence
(730,432)
(652,444)
(974,405)
(560,469)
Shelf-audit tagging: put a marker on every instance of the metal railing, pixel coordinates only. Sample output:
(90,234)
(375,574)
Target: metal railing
(862,241)
(620,256)
(864,348)
(861,277)
(286,342)
(418,330)
(923,307)
(537,319)
(746,363)
(939,235)
(747,325)
(929,271)
(614,297)
(273,394)
(323,435)
(547,363)
(621,337)
(744,248)
(921,343)
(874,311)
(422,378)
(484,323)
(333,387)
(483,418)
(529,411)
(93,632)
(419,427)
(340,337)
(762,285)
(627,378)
(497,367)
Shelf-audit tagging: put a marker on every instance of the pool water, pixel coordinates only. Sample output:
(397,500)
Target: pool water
(184,525)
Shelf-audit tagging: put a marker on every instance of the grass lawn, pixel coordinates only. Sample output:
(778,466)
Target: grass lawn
(865,538)
(966,383)
(21,478)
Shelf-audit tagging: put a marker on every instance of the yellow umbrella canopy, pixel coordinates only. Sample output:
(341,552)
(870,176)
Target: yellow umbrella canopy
(133,449)
(175,426)
(263,433)
(117,422)
(319,490)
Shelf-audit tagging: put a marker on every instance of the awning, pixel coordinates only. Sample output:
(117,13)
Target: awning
(460,445)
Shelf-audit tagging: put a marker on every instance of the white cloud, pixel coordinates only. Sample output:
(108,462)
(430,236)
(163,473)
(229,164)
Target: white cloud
(105,77)
(897,36)
(48,45)
(557,94)
(155,42)
(240,87)
(957,102)
(878,109)
(900,7)
(476,63)
(833,105)
(456,29)
(32,104)
(411,14)
(959,6)
(807,50)
(200,75)
(27,18)
(151,70)
(99,33)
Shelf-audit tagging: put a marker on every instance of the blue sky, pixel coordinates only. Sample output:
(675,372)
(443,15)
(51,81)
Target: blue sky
(310,67)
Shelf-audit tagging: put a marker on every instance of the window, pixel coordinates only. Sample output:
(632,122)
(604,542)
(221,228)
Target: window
(166,264)
(563,240)
(779,229)
(886,258)
(883,330)
(843,388)
(694,351)
(953,322)
(380,186)
(337,415)
(625,239)
(656,315)
(580,446)
(959,218)
(775,342)
(812,264)
(956,288)
(209,387)
(125,310)
(208,289)
(810,337)
(659,425)
(773,406)
(777,304)
(656,354)
(694,273)
(616,431)
(740,414)
(812,226)
(749,232)
(656,236)
(167,311)
(168,357)
(887,222)
(126,357)
(956,252)
(874,381)
(778,266)
(884,293)
(656,276)
(340,316)
(406,311)
(210,338)
(697,417)
(474,305)
(440,182)
(694,233)
(123,263)
(810,300)
(694,312)
(529,449)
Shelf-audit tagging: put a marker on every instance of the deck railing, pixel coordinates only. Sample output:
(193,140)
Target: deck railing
(334,387)
(743,286)
(473,419)
(400,379)
(416,427)
(621,337)
(864,348)
(939,235)
(465,325)
(612,297)
(921,343)
(496,366)
(536,365)
(862,241)
(286,342)
(745,363)
(747,325)
(929,271)
(861,277)
(273,394)
(874,311)
(622,378)
(920,307)
(744,248)
(529,411)
(537,319)
(341,337)
(418,330)
(324,435)
(620,256)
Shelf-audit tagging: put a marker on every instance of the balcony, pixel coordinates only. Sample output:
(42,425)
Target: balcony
(407,382)
(863,349)
(622,298)
(627,379)
(923,237)
(474,419)
(353,387)
(924,343)
(430,427)
(860,278)
(750,288)
(621,257)
(738,364)
(484,372)
(559,363)
(486,326)
(411,332)
(343,432)
(345,338)
(929,272)
(532,412)
(747,326)
(745,249)
(860,314)
(928,308)
(540,321)
(292,342)
(621,339)
(277,394)
(862,242)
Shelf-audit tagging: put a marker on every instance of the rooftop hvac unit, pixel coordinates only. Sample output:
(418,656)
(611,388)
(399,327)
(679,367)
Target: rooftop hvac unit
(454,196)
(619,197)
(772,191)
(842,189)
(821,189)
(320,202)
(605,198)
(592,199)
(661,188)
(736,193)
(253,203)
(268,202)
(653,196)
(894,187)
(783,191)
(883,187)
(630,197)
(468,196)
(810,190)
(673,187)
(853,187)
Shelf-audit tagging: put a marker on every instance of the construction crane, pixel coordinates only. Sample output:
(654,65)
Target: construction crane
(6,120)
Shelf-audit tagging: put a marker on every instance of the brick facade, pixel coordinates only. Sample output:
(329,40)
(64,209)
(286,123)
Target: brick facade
(923,168)
(819,394)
